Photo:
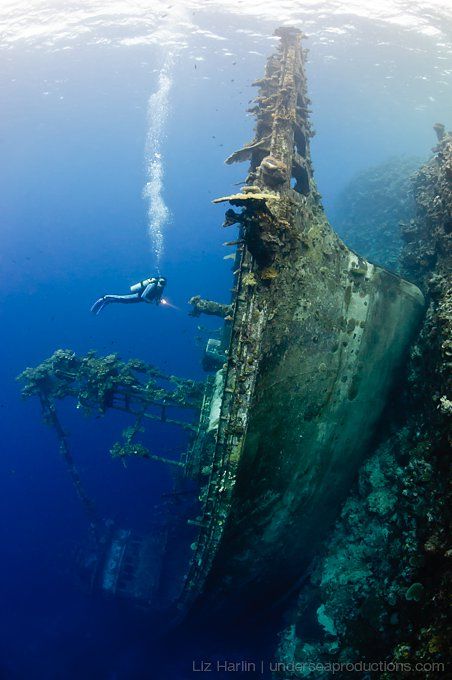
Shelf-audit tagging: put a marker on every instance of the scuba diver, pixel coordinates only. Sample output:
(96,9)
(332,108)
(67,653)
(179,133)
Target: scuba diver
(149,290)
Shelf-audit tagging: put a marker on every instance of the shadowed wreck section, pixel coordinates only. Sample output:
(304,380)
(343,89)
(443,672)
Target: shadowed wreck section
(317,337)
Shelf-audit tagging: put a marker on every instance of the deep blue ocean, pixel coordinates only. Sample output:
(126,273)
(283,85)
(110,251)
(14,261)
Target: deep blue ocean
(74,225)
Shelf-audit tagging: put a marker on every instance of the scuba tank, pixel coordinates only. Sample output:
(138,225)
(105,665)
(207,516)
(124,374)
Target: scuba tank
(141,285)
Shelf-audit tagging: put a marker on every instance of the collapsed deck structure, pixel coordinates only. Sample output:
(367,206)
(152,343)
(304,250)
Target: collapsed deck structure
(313,339)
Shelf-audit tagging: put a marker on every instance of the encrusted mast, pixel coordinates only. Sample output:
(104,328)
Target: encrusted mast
(280,150)
(280,160)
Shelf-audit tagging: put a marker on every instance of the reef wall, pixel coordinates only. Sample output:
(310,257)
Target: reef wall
(373,208)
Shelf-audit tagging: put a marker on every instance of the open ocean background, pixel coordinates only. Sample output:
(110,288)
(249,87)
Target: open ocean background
(78,136)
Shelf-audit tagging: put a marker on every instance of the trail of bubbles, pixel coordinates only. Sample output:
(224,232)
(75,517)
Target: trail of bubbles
(158,213)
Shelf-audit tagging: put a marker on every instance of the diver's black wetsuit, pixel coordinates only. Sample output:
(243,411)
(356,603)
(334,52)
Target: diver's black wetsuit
(150,290)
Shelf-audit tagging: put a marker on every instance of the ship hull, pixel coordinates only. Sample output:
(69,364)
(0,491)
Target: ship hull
(330,356)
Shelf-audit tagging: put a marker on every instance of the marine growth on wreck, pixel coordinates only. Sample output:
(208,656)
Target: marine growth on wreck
(313,341)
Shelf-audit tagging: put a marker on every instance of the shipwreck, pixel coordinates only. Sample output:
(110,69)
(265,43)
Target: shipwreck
(312,342)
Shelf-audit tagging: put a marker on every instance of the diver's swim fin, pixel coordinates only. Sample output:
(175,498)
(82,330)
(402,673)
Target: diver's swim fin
(99,305)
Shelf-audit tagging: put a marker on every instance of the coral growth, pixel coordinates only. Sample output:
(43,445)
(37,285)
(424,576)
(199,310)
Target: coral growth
(101,383)
(273,171)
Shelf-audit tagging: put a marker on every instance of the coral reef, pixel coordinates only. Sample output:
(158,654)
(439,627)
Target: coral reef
(382,587)
(368,213)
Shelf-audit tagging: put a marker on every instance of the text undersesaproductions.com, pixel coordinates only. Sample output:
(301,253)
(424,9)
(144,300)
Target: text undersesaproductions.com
(303,669)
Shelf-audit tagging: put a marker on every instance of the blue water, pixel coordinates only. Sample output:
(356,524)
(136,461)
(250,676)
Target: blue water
(74,226)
